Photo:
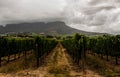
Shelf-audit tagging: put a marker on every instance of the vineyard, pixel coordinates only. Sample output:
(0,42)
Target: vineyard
(70,56)
(40,46)
(79,45)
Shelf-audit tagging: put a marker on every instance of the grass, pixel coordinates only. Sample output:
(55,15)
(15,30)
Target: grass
(56,68)
(19,64)
(61,75)
(100,66)
(96,64)
(55,57)
(59,71)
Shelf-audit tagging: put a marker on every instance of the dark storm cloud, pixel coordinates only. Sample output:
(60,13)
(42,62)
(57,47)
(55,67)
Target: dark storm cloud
(89,15)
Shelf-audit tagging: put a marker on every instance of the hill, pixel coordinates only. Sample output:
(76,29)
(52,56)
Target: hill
(49,28)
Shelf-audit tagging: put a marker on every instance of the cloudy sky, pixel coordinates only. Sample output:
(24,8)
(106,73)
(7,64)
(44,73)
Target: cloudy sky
(88,15)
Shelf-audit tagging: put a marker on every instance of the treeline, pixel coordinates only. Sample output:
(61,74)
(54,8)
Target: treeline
(78,45)
(17,45)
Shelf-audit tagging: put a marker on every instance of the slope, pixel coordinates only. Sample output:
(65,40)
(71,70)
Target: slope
(49,28)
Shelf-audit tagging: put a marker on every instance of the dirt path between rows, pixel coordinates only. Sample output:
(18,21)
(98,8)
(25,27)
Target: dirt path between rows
(57,64)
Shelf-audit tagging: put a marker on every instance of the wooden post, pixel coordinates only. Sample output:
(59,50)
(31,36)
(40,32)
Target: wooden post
(0,61)
(37,57)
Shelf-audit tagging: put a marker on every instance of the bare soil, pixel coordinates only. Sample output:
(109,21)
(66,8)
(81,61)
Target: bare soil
(57,64)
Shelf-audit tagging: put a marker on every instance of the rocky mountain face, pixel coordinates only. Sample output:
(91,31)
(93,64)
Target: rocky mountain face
(46,28)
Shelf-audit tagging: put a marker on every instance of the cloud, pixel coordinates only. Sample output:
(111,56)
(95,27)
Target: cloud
(96,15)
(88,15)
(30,10)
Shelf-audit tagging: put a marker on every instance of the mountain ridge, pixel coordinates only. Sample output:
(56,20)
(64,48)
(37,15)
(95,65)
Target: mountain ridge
(50,28)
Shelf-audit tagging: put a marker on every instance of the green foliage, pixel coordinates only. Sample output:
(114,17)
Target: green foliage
(105,45)
(16,45)
(76,46)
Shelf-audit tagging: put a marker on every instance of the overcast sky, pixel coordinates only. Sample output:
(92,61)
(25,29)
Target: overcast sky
(88,15)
